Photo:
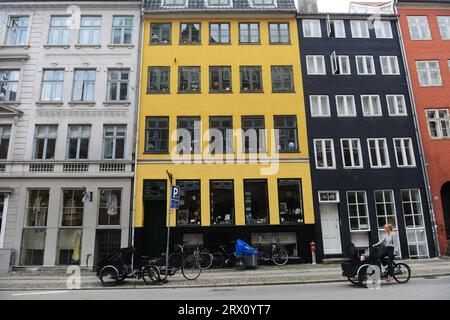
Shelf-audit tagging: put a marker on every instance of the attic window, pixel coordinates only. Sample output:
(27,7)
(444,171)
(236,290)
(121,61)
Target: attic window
(263,3)
(219,3)
(174,3)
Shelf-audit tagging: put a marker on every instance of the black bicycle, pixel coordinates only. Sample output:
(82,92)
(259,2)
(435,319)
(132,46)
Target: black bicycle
(189,265)
(223,258)
(203,256)
(277,254)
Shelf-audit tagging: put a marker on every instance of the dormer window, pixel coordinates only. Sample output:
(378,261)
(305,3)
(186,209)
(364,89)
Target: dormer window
(219,3)
(263,3)
(174,3)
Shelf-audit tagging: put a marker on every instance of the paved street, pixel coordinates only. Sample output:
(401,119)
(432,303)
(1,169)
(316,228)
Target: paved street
(435,288)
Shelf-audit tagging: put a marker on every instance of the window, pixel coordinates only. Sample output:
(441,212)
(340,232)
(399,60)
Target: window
(9,83)
(360,29)
(290,200)
(357,211)
(378,153)
(189,80)
(37,208)
(351,153)
(222,202)
(315,65)
(218,3)
(256,202)
(263,2)
(174,3)
(44,142)
(383,29)
(32,247)
(311,28)
(189,212)
(396,105)
(336,28)
(429,73)
(279,33)
(438,123)
(254,134)
(340,64)
(69,246)
(386,212)
(78,141)
(90,30)
(221,135)
(249,33)
(189,135)
(161,33)
(415,226)
(365,65)
(158,80)
(118,84)
(320,106)
(114,142)
(345,106)
(419,28)
(17,30)
(52,85)
(5,136)
(282,79)
(389,65)
(371,105)
(251,79)
(404,152)
(122,30)
(156,134)
(220,79)
(59,30)
(72,208)
(286,133)
(219,33)
(84,85)
(324,154)
(190,33)
(109,209)
(444,27)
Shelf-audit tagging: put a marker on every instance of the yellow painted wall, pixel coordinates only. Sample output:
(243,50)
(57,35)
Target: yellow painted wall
(234,104)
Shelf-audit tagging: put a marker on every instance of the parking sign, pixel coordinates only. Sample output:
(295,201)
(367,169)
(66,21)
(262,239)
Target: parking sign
(175,197)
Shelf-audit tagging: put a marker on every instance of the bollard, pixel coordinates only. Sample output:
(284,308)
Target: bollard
(313,251)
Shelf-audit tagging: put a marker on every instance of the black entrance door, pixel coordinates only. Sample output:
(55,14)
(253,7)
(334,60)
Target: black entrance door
(445,198)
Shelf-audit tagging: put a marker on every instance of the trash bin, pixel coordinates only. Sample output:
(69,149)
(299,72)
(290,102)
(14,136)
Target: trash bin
(6,259)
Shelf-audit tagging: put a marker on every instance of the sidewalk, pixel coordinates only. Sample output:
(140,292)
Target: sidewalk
(264,275)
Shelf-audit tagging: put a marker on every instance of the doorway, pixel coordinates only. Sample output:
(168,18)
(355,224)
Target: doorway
(445,198)
(331,231)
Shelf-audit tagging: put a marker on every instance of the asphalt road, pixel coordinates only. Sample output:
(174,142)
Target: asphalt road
(434,288)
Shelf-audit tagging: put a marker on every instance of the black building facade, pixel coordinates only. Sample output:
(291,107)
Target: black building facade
(366,161)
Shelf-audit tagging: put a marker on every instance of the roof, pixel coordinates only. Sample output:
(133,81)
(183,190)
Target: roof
(236,5)
(370,4)
(425,1)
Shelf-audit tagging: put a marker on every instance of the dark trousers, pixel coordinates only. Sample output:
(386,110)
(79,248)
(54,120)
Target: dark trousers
(389,253)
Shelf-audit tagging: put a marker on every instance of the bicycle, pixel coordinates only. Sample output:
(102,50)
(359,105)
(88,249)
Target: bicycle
(203,256)
(223,258)
(190,268)
(277,255)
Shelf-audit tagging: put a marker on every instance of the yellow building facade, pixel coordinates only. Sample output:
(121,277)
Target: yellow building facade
(221,70)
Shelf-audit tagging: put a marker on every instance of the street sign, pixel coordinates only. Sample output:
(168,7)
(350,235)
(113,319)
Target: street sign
(175,197)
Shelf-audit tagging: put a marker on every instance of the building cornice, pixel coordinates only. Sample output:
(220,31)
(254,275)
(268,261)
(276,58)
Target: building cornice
(346,16)
(33,5)
(226,14)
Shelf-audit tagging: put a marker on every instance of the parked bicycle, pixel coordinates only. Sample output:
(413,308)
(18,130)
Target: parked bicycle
(203,256)
(223,258)
(190,267)
(277,254)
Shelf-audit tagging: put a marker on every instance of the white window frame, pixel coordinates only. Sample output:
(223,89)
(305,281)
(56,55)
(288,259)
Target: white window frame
(324,154)
(10,84)
(444,26)
(383,29)
(351,149)
(391,64)
(84,83)
(6,133)
(358,216)
(114,137)
(440,122)
(365,66)
(46,137)
(427,71)
(395,98)
(118,83)
(360,29)
(337,64)
(313,23)
(320,106)
(78,136)
(91,30)
(388,218)
(404,152)
(380,144)
(317,59)
(219,3)
(374,110)
(423,28)
(63,31)
(346,106)
(53,85)
(8,27)
(337,25)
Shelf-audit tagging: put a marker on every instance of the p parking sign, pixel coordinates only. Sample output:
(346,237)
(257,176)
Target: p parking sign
(175,197)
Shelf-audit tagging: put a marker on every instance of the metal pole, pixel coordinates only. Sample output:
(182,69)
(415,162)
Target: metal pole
(169,212)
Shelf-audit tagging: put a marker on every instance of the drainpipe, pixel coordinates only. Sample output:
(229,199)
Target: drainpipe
(418,136)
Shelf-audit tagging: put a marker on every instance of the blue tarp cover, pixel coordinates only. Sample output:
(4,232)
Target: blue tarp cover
(242,248)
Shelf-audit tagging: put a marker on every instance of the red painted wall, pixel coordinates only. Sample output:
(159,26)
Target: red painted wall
(437,152)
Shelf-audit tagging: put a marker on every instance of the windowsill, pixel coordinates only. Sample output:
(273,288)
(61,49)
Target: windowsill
(222,91)
(190,44)
(150,153)
(77,103)
(406,167)
(129,46)
(54,103)
(359,231)
(220,44)
(189,92)
(9,103)
(192,225)
(264,224)
(158,92)
(280,43)
(116,103)
(223,225)
(95,46)
(289,151)
(286,91)
(252,91)
(326,169)
(63,46)
(353,168)
(431,86)
(13,46)
(380,168)
(160,44)
(250,43)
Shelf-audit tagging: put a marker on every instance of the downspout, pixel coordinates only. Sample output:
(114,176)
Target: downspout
(418,136)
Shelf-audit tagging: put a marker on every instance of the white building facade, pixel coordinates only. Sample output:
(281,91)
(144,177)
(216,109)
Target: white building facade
(68,88)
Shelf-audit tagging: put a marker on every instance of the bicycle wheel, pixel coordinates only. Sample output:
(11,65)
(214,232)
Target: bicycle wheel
(402,272)
(206,260)
(109,276)
(150,274)
(175,260)
(218,260)
(280,257)
(354,280)
(191,268)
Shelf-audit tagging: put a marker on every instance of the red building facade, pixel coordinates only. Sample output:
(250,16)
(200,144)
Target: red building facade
(425,27)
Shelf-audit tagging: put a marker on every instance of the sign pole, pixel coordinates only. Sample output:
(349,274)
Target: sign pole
(169,212)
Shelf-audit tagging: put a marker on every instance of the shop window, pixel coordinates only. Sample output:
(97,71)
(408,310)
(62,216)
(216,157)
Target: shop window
(256,202)
(106,242)
(73,207)
(286,240)
(290,200)
(69,247)
(189,212)
(32,249)
(37,207)
(109,207)
(222,202)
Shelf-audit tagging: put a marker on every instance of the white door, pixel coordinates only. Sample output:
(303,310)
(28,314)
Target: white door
(331,232)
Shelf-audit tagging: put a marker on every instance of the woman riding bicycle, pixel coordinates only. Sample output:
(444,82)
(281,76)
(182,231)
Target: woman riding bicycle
(387,249)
